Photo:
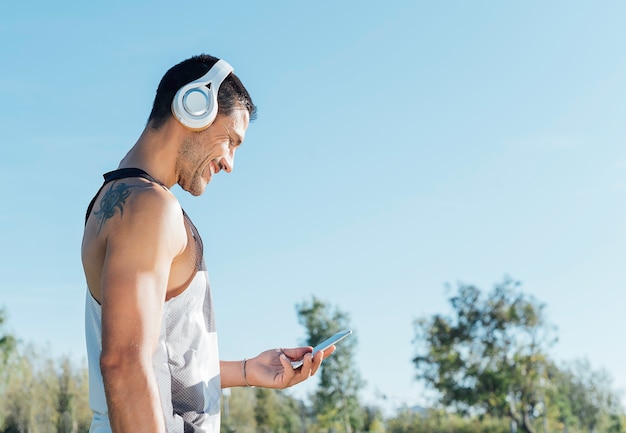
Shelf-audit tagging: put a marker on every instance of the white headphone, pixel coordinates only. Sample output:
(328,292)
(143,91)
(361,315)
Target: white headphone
(195,104)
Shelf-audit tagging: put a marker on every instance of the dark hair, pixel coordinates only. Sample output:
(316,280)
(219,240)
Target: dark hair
(232,92)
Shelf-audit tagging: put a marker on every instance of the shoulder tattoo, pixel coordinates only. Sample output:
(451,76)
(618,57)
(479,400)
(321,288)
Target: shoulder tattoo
(114,198)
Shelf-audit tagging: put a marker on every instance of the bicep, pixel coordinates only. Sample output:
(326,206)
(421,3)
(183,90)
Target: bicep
(132,303)
(134,281)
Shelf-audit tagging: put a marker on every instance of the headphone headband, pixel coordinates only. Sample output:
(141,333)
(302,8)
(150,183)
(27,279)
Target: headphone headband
(195,104)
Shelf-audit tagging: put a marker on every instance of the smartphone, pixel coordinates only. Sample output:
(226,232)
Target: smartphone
(325,345)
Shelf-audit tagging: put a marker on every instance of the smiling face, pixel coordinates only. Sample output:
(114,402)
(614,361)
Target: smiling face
(204,154)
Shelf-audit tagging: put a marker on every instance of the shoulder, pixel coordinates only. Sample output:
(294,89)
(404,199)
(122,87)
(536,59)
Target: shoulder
(135,196)
(138,210)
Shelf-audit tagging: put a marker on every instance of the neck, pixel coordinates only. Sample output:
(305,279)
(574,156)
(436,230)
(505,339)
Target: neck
(156,152)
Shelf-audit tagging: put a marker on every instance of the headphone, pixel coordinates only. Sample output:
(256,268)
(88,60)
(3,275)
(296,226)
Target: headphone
(195,104)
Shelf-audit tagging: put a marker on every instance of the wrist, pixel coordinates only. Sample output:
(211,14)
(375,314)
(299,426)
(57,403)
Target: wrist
(244,373)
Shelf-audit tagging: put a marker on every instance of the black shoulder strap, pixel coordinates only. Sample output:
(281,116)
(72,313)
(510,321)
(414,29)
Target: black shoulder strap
(121,173)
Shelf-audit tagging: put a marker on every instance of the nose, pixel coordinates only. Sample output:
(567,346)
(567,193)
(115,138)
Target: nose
(228,162)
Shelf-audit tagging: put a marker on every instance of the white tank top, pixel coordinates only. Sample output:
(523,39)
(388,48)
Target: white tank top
(185,361)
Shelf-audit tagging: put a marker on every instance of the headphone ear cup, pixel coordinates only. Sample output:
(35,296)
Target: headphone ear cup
(196,101)
(195,104)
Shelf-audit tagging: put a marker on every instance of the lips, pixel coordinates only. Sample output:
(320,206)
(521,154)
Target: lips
(210,170)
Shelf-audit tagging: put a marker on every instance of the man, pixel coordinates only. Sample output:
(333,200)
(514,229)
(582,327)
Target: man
(151,341)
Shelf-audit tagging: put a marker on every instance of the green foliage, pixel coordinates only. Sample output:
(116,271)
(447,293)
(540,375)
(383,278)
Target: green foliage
(584,398)
(489,358)
(7,350)
(29,395)
(373,421)
(336,400)
(260,410)
(43,395)
(437,421)
(441,421)
(238,411)
(617,424)
(276,413)
(7,343)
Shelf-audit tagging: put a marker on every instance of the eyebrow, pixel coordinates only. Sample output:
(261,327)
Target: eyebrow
(238,139)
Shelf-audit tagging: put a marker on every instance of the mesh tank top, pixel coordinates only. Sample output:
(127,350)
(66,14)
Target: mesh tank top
(185,361)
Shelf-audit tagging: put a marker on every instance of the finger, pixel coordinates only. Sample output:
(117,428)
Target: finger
(285,362)
(290,375)
(330,350)
(317,362)
(302,372)
(297,352)
(307,360)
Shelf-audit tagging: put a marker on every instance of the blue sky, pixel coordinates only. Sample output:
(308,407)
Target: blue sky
(399,147)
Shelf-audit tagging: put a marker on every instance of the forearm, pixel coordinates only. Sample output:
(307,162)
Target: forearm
(132,398)
(231,374)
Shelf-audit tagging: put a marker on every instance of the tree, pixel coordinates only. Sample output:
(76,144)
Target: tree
(7,349)
(28,403)
(336,400)
(238,410)
(260,410)
(44,395)
(439,421)
(7,341)
(374,420)
(558,396)
(65,399)
(276,412)
(585,397)
(490,356)
(72,391)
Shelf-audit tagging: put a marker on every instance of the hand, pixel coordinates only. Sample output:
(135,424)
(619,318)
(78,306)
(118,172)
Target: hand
(272,368)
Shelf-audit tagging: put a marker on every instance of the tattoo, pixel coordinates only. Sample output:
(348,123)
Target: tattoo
(113,199)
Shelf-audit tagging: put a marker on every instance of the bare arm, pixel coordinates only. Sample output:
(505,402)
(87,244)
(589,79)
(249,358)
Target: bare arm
(141,246)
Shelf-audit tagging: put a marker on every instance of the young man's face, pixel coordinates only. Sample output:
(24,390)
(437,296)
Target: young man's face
(204,154)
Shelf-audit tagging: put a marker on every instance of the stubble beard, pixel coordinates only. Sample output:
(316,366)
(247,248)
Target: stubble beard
(189,175)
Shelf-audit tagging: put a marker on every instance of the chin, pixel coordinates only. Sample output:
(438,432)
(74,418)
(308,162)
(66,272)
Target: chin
(197,185)
(197,191)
